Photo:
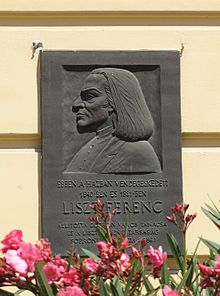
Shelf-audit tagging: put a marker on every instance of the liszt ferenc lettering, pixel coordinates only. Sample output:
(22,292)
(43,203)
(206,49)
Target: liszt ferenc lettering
(112,104)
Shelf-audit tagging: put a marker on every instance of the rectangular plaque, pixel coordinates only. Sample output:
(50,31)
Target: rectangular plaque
(110,131)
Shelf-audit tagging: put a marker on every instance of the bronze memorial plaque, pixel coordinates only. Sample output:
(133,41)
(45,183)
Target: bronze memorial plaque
(110,131)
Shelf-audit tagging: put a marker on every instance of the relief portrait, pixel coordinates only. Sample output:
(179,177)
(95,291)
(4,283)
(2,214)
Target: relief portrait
(111,104)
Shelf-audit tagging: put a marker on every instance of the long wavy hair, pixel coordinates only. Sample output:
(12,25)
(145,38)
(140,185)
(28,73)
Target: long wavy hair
(132,119)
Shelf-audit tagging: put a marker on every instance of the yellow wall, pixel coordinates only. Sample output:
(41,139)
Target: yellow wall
(98,24)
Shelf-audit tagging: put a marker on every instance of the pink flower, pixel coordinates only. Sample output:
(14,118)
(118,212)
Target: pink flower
(30,254)
(106,250)
(71,291)
(156,257)
(124,262)
(72,277)
(60,263)
(172,219)
(217,265)
(180,218)
(207,282)
(189,218)
(52,272)
(124,244)
(23,259)
(103,247)
(12,240)
(217,261)
(89,265)
(16,262)
(178,208)
(55,269)
(169,292)
(143,243)
(135,252)
(44,246)
(2,271)
(205,270)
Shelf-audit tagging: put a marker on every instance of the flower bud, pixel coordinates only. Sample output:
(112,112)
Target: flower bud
(124,244)
(143,243)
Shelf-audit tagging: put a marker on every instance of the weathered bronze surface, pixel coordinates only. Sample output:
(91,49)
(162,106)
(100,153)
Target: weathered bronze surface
(110,131)
(111,104)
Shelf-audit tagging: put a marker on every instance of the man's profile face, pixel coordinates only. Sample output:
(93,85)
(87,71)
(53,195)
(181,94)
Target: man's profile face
(91,107)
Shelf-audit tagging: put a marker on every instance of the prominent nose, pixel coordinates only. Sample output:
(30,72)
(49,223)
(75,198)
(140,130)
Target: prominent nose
(77,104)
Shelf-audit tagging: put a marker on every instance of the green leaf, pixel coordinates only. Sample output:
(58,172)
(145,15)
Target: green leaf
(184,279)
(115,280)
(45,289)
(165,276)
(54,289)
(136,264)
(175,250)
(102,234)
(214,247)
(193,266)
(91,254)
(209,292)
(117,286)
(195,288)
(214,205)
(69,259)
(129,280)
(173,284)
(5,293)
(214,211)
(211,216)
(103,290)
(114,291)
(148,286)
(136,285)
(19,292)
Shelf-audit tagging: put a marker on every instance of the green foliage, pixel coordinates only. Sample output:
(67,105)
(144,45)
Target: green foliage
(214,247)
(5,293)
(102,233)
(193,270)
(137,274)
(103,289)
(90,254)
(212,214)
(44,287)
(175,251)
(19,292)
(129,281)
(165,276)
(184,279)
(148,286)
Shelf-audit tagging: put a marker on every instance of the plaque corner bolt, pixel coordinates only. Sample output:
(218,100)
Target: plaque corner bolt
(182,47)
(37,46)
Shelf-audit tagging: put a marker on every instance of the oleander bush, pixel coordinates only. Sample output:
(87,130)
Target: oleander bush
(119,269)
